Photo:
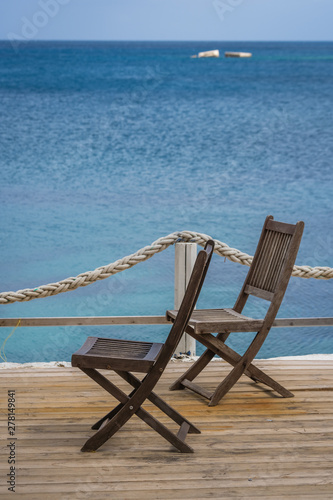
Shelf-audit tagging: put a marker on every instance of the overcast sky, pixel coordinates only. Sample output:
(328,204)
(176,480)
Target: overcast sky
(166,19)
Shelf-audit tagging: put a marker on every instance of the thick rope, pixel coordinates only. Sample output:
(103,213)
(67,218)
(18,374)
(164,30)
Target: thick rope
(143,254)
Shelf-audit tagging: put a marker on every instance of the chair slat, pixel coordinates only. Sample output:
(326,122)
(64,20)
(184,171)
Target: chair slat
(269,264)
(274,264)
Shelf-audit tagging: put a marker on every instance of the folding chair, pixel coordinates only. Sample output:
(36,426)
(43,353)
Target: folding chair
(267,279)
(124,357)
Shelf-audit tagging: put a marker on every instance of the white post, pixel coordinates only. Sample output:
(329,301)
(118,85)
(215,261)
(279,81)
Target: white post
(185,255)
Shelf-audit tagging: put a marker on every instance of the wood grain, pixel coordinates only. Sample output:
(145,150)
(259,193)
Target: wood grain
(254,444)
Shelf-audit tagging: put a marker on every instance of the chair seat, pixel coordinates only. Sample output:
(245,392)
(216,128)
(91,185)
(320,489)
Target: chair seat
(219,320)
(115,354)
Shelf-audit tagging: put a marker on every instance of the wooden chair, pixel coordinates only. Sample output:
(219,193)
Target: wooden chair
(267,279)
(124,357)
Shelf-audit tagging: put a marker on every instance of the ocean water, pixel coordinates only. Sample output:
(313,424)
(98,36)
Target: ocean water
(105,147)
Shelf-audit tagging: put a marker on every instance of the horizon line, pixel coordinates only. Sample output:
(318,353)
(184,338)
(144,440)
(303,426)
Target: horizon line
(161,41)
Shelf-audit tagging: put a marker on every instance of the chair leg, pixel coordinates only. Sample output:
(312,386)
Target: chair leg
(160,403)
(193,371)
(233,358)
(238,370)
(127,408)
(227,384)
(262,377)
(198,366)
(123,415)
(176,440)
(256,374)
(120,417)
(216,345)
(109,415)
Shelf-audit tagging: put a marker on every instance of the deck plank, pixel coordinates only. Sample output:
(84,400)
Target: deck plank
(254,444)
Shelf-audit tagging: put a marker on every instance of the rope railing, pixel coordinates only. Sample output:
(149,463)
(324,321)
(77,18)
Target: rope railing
(143,254)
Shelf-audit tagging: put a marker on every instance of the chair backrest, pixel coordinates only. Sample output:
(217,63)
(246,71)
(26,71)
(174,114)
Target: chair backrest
(272,264)
(188,303)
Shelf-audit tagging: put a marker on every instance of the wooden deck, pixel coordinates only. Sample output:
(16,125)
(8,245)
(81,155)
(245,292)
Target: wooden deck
(253,445)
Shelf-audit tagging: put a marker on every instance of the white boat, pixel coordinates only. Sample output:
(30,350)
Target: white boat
(209,53)
(238,54)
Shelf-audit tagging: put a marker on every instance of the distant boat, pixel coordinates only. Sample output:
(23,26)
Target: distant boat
(238,54)
(209,53)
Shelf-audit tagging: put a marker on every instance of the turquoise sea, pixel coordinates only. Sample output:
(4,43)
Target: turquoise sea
(105,147)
